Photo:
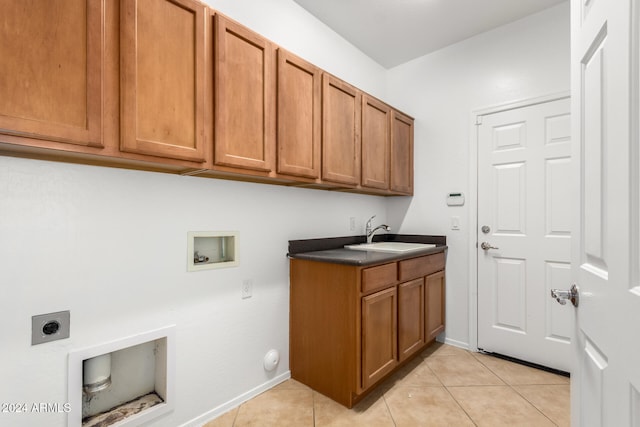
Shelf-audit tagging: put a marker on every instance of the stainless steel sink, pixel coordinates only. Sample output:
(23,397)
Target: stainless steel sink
(392,247)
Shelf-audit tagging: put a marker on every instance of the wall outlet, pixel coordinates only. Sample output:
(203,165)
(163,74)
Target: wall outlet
(247,288)
(352,223)
(50,327)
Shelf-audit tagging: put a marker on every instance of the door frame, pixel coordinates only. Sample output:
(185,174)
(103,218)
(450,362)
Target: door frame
(473,198)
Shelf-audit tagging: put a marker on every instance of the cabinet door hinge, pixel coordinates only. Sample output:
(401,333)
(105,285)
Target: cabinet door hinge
(478,120)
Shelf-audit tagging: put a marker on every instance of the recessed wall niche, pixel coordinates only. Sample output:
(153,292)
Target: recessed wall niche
(122,383)
(211,249)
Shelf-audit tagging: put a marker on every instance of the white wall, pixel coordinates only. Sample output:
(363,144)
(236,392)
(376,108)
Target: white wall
(525,59)
(110,245)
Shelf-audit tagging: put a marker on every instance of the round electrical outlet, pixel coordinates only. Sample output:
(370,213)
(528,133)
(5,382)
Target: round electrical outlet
(51,327)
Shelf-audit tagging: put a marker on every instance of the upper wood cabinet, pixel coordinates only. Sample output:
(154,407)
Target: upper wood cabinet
(401,153)
(171,85)
(51,70)
(299,116)
(341,114)
(162,78)
(244,94)
(376,123)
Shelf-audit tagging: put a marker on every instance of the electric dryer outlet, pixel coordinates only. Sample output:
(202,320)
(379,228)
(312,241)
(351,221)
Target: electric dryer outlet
(50,327)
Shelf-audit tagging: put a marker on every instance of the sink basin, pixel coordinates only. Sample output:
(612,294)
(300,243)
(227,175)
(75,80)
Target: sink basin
(392,247)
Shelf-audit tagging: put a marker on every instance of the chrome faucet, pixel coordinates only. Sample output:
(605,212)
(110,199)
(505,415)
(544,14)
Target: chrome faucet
(370,232)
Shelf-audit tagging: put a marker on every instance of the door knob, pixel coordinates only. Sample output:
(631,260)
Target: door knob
(486,246)
(572,295)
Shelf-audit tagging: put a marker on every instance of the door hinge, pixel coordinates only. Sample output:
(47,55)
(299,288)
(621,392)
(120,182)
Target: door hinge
(478,120)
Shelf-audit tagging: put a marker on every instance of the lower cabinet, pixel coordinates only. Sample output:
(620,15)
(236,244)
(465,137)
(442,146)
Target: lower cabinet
(411,315)
(379,335)
(435,301)
(351,326)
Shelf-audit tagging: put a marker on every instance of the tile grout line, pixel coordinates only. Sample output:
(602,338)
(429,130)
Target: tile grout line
(235,417)
(531,403)
(511,386)
(479,385)
(448,391)
(313,407)
(384,397)
(460,405)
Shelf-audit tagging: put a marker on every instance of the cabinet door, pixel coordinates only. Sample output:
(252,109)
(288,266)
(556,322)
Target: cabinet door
(244,98)
(379,335)
(341,114)
(51,70)
(162,78)
(401,153)
(411,303)
(376,121)
(435,305)
(299,116)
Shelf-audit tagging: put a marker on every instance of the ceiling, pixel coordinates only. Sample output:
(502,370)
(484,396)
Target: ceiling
(396,31)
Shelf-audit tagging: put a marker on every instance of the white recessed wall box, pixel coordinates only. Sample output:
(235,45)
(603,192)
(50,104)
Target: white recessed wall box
(455,199)
(212,249)
(125,382)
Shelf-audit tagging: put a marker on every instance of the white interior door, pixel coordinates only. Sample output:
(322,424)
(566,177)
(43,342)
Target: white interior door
(524,216)
(605,381)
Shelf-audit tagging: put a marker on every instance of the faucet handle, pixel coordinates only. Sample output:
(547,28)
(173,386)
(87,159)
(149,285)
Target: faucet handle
(368,226)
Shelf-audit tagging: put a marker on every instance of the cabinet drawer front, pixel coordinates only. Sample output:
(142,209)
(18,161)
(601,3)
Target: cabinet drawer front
(378,277)
(419,267)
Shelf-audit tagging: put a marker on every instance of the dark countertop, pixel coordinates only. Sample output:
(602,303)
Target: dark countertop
(332,249)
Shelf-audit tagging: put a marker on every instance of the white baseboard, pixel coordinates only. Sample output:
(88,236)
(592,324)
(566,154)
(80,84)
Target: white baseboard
(237,401)
(456,343)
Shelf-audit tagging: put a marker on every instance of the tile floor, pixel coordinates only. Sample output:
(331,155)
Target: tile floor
(445,386)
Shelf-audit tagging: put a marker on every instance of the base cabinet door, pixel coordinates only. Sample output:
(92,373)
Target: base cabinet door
(379,335)
(162,78)
(51,70)
(411,303)
(434,305)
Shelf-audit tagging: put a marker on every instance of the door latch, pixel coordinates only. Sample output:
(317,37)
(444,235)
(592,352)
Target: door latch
(486,246)
(572,295)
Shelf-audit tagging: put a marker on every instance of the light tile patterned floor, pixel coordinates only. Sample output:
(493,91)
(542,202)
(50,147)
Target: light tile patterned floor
(445,386)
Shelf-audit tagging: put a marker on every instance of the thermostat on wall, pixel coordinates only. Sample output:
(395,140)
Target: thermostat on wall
(455,199)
